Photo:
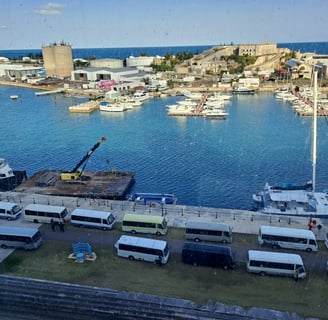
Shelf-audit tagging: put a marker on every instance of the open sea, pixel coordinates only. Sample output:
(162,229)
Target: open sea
(206,163)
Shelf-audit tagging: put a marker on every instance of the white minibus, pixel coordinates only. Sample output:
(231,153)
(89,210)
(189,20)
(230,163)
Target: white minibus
(15,237)
(208,231)
(92,219)
(135,248)
(141,223)
(275,263)
(9,210)
(41,213)
(288,238)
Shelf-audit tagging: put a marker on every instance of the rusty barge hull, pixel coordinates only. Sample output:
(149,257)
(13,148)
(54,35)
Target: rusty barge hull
(113,185)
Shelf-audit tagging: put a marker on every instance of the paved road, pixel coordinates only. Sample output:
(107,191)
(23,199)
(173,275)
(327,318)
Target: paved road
(316,261)
(242,222)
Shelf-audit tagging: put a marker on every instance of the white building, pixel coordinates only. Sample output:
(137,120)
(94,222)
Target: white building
(106,63)
(124,78)
(139,61)
(249,82)
(16,71)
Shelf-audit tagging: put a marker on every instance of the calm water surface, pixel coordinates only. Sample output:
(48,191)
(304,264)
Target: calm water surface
(204,162)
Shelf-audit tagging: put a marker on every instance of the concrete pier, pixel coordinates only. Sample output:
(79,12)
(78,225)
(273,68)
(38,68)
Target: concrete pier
(241,221)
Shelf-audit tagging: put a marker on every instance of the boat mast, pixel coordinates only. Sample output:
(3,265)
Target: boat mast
(314,146)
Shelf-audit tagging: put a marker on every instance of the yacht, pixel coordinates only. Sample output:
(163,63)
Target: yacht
(141,96)
(10,179)
(243,90)
(193,95)
(111,107)
(295,200)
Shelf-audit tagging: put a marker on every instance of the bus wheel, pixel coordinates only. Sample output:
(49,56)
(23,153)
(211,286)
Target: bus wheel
(3,246)
(133,231)
(131,258)
(224,241)
(197,240)
(262,273)
(8,218)
(308,249)
(158,233)
(35,221)
(225,267)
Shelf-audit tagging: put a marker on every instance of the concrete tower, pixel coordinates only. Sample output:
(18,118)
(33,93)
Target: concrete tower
(58,60)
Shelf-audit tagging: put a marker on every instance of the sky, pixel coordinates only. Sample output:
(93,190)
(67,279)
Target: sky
(152,23)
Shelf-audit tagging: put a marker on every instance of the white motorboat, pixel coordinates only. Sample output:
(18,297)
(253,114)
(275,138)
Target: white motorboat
(243,90)
(220,97)
(192,95)
(141,96)
(111,107)
(295,200)
(215,113)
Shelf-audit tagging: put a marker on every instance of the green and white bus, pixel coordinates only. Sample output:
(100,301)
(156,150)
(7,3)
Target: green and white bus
(139,223)
(275,263)
(16,237)
(288,238)
(41,213)
(208,231)
(145,249)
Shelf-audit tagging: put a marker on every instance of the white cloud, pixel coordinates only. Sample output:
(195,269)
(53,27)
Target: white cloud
(50,9)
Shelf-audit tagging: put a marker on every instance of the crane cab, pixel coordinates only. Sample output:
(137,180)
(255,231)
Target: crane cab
(69,176)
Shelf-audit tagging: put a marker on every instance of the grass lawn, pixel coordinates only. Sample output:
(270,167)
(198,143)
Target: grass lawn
(307,297)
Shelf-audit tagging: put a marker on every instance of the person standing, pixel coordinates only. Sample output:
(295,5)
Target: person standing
(61,226)
(52,224)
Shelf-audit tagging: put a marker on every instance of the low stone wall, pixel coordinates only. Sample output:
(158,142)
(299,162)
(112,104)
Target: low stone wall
(27,299)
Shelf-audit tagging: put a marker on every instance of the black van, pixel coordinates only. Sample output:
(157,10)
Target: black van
(208,255)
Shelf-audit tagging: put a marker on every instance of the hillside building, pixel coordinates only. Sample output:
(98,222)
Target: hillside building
(257,49)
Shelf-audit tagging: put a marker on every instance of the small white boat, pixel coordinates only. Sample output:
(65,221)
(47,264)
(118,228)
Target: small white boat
(112,107)
(14,97)
(216,114)
(141,95)
(192,95)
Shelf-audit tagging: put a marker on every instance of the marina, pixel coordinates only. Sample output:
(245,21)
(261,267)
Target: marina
(200,105)
(200,160)
(292,200)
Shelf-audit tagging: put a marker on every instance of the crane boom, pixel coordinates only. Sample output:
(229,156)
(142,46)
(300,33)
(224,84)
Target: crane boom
(87,156)
(75,173)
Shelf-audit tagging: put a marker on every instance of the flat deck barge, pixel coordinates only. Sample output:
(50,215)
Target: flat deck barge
(112,185)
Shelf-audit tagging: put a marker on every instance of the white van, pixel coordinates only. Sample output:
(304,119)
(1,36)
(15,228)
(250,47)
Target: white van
(92,219)
(9,210)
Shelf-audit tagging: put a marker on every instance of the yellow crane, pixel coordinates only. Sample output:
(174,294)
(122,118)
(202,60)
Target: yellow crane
(77,171)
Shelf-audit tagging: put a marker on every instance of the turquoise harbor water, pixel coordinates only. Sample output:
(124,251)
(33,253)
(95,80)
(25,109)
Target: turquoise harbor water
(216,163)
